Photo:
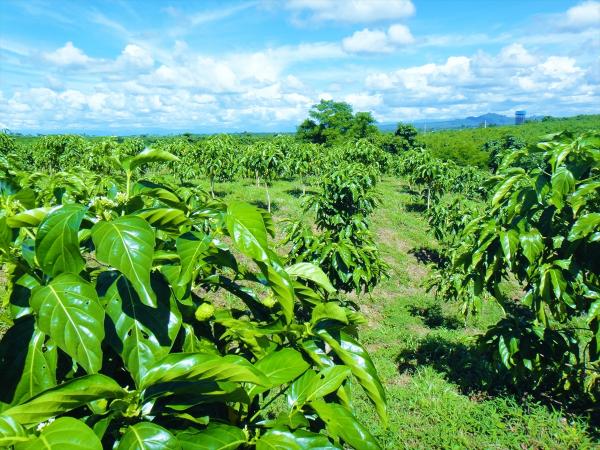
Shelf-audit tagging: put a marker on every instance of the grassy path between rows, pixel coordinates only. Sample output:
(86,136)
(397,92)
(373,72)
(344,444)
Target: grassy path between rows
(421,347)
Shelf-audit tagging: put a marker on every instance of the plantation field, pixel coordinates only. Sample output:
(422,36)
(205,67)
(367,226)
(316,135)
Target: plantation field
(340,288)
(423,350)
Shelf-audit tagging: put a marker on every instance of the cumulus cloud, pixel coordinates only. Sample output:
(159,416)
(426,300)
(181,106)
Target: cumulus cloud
(516,55)
(352,11)
(378,41)
(136,56)
(68,55)
(367,41)
(512,79)
(586,14)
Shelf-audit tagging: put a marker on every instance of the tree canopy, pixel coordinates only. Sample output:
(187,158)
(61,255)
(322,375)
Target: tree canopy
(330,121)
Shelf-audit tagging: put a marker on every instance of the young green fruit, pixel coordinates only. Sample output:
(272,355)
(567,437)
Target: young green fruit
(204,312)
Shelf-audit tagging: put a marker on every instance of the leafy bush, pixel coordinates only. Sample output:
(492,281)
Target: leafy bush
(150,317)
(542,227)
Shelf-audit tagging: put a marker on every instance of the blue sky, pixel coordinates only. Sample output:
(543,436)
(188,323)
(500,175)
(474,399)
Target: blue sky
(119,66)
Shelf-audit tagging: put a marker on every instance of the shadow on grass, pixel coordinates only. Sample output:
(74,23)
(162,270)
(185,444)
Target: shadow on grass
(407,190)
(462,364)
(415,207)
(426,255)
(434,317)
(298,193)
(263,205)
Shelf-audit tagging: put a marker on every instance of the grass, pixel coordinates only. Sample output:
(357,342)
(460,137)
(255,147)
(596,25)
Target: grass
(422,348)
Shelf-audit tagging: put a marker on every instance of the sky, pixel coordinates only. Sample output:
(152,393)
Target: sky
(118,66)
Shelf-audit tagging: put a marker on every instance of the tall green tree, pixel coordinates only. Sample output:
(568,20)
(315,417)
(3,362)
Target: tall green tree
(330,121)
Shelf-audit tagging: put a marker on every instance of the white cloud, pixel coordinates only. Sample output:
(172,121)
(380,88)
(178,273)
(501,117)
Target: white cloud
(69,55)
(363,101)
(378,41)
(516,55)
(367,41)
(586,14)
(400,35)
(351,11)
(136,56)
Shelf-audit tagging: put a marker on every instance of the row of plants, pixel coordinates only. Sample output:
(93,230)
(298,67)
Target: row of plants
(150,315)
(342,244)
(540,229)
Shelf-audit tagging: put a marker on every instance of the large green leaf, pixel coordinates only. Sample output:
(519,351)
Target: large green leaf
(157,191)
(532,244)
(29,218)
(29,364)
(69,312)
(327,311)
(148,155)
(584,226)
(247,228)
(215,437)
(142,335)
(168,219)
(64,398)
(309,271)
(313,385)
(280,283)
(358,360)
(11,432)
(297,440)
(190,247)
(57,241)
(201,366)
(281,366)
(65,433)
(148,436)
(342,424)
(563,184)
(127,244)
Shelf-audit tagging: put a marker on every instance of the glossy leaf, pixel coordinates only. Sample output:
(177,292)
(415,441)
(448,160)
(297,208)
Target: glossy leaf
(169,219)
(11,432)
(280,367)
(358,360)
(309,271)
(247,228)
(57,241)
(342,424)
(190,247)
(29,218)
(64,433)
(148,436)
(297,440)
(215,437)
(30,364)
(142,335)
(148,155)
(69,312)
(64,398)
(199,366)
(127,244)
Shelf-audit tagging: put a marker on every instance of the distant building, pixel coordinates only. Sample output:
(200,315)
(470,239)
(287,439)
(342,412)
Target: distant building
(520,117)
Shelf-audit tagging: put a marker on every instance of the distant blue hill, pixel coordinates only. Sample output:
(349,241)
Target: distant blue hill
(489,119)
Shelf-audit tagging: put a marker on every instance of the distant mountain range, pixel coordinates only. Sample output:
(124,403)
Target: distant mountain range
(489,119)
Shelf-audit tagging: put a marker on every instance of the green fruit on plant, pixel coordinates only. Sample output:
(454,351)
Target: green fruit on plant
(204,312)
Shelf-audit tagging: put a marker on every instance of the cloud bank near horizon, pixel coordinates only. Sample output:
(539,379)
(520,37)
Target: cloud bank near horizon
(94,68)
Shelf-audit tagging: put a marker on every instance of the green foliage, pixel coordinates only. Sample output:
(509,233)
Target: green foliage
(408,134)
(154,317)
(542,228)
(330,122)
(344,249)
(466,147)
